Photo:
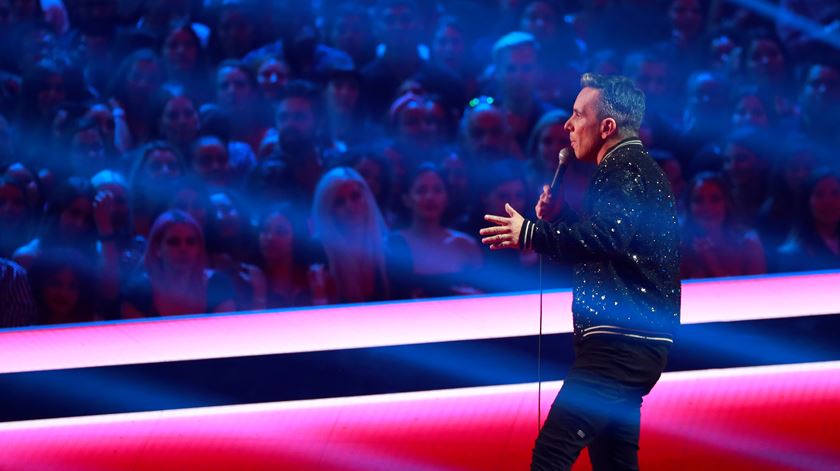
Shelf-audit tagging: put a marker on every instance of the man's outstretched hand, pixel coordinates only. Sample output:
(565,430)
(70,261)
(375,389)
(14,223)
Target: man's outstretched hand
(505,233)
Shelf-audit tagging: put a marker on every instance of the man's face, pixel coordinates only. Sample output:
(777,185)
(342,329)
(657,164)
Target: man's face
(448,47)
(235,33)
(87,150)
(180,50)
(61,293)
(706,99)
(584,127)
(210,161)
(272,76)
(162,165)
(343,94)
(179,122)
(750,111)
(765,59)
(487,134)
(398,27)
(12,204)
(686,16)
(414,124)
(540,19)
(742,165)
(96,12)
(143,81)
(349,32)
(822,89)
(233,87)
(516,71)
(77,219)
(652,79)
(296,113)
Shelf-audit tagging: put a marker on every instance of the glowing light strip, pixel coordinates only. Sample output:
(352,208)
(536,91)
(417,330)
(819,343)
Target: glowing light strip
(383,324)
(769,418)
(550,388)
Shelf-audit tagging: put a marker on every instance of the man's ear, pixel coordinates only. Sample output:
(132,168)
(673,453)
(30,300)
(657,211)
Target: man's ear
(608,128)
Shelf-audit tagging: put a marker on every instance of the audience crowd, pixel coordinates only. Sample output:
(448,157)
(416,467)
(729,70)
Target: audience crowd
(166,157)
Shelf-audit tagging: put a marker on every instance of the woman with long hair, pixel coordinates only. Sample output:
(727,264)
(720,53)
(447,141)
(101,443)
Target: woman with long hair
(138,77)
(67,223)
(237,30)
(178,122)
(346,124)
(64,287)
(176,279)
(156,169)
(237,97)
(787,185)
(185,63)
(765,63)
(713,244)
(282,256)
(814,240)
(47,92)
(16,215)
(750,108)
(351,229)
(230,248)
(432,259)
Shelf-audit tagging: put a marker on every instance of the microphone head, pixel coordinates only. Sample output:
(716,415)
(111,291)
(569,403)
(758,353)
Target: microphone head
(564,155)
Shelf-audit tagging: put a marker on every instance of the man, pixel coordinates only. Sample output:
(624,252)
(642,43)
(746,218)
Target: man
(401,57)
(298,119)
(626,283)
(819,101)
(486,134)
(516,72)
(654,76)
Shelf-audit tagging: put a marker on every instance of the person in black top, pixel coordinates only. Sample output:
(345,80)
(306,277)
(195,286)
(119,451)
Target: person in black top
(625,250)
(18,307)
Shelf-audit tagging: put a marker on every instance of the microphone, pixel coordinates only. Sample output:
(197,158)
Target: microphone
(563,158)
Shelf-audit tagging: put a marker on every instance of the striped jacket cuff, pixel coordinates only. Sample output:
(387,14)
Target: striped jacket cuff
(526,235)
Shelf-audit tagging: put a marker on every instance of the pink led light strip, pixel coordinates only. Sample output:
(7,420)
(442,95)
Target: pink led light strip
(770,418)
(221,336)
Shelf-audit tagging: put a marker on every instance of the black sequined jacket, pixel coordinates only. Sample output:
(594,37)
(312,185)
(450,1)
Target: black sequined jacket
(625,249)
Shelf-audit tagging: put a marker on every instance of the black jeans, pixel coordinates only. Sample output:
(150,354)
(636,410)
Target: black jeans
(599,404)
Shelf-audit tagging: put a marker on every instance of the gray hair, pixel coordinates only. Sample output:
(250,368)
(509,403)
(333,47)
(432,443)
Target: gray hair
(620,100)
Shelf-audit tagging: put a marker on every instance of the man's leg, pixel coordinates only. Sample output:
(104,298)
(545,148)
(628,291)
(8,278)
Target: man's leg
(579,414)
(617,447)
(569,427)
(604,387)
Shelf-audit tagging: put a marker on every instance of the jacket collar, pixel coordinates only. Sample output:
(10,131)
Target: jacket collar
(630,141)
